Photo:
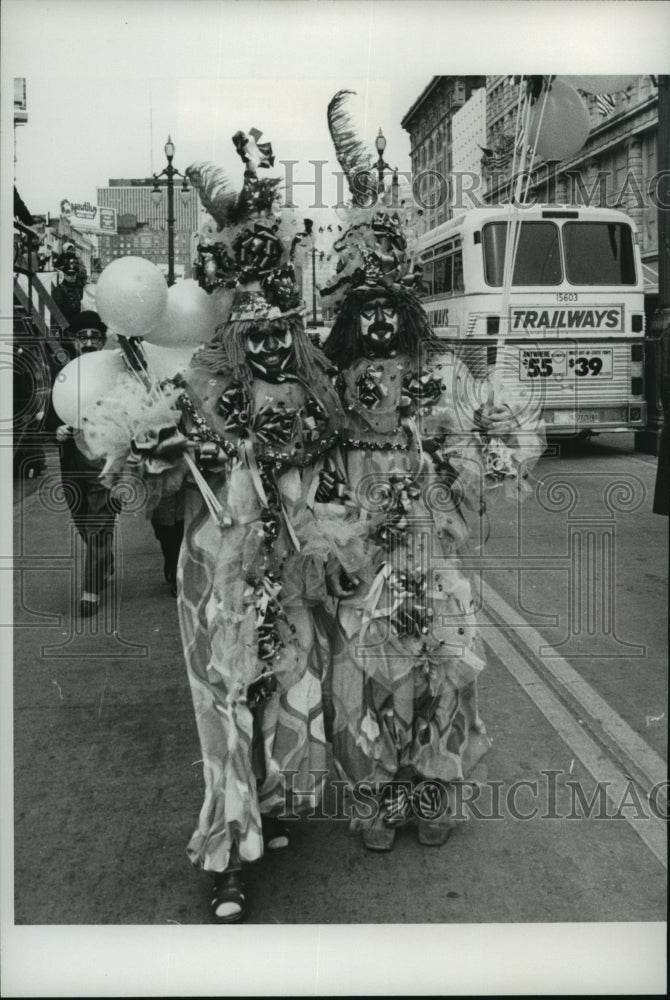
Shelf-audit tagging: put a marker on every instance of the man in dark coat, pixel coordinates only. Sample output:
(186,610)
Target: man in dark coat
(89,501)
(68,294)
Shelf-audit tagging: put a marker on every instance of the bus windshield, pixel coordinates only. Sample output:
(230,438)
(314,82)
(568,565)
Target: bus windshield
(599,253)
(595,253)
(538,258)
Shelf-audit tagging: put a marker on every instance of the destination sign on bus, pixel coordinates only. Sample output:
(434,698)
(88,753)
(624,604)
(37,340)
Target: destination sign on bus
(608,319)
(573,362)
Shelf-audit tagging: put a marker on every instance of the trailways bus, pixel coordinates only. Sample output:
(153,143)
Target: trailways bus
(573,331)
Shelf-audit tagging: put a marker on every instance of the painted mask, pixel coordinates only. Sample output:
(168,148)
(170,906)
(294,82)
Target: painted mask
(379,326)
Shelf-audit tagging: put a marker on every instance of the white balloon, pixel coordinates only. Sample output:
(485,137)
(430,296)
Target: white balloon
(83,381)
(165,362)
(189,318)
(131,296)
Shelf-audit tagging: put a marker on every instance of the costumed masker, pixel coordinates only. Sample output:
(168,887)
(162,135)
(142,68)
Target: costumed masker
(418,445)
(259,413)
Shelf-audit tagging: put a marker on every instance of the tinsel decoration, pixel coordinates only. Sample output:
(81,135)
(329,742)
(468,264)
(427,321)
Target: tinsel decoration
(370,387)
(214,267)
(274,424)
(280,288)
(404,490)
(256,252)
(419,391)
(332,487)
(314,419)
(234,406)
(270,621)
(413,616)
(254,154)
(271,523)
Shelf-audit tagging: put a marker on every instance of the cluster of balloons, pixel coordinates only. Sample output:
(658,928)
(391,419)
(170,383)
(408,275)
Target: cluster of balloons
(559,122)
(133,299)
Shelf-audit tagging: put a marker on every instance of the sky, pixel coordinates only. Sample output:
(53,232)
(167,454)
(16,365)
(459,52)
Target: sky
(107,80)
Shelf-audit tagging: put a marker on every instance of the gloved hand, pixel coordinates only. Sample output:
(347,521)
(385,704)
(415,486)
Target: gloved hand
(64,432)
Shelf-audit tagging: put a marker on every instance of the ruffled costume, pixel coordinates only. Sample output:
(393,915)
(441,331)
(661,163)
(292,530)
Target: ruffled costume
(231,599)
(406,654)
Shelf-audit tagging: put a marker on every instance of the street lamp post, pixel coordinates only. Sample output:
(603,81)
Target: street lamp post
(381,165)
(314,320)
(308,234)
(170,173)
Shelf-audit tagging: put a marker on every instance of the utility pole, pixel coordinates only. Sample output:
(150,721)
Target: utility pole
(657,366)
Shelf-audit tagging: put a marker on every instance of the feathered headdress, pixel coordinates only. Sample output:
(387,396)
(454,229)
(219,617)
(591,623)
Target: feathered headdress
(373,249)
(247,253)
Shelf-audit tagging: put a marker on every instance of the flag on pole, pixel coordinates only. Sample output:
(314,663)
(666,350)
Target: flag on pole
(605,104)
(499,157)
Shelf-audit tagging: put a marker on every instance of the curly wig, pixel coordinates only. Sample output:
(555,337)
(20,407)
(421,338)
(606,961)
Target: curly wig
(344,343)
(227,355)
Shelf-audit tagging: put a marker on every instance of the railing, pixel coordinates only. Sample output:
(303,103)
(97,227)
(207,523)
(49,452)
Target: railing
(38,353)
(30,294)
(41,309)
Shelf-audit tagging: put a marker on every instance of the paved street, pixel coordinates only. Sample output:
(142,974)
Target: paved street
(107,769)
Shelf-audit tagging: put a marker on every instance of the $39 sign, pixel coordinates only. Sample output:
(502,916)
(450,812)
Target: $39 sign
(565,363)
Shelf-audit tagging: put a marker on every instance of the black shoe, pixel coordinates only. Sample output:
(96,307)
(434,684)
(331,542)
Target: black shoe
(229,893)
(275,834)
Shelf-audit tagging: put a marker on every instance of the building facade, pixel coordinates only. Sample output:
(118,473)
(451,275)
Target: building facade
(616,166)
(429,123)
(142,225)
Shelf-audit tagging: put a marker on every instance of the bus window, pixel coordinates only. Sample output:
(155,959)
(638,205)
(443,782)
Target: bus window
(537,259)
(443,276)
(458,271)
(427,275)
(599,253)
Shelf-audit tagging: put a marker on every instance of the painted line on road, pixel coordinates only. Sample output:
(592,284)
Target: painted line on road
(644,758)
(651,830)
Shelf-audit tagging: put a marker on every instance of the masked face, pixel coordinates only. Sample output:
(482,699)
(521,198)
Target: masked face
(379,326)
(89,340)
(270,350)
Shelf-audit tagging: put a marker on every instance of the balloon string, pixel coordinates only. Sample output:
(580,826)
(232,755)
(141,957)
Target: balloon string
(215,508)
(148,380)
(510,240)
(514,223)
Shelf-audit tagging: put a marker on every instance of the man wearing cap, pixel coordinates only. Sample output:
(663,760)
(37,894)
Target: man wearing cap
(87,497)
(67,295)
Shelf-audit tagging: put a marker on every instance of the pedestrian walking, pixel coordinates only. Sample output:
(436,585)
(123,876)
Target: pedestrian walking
(167,521)
(88,498)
